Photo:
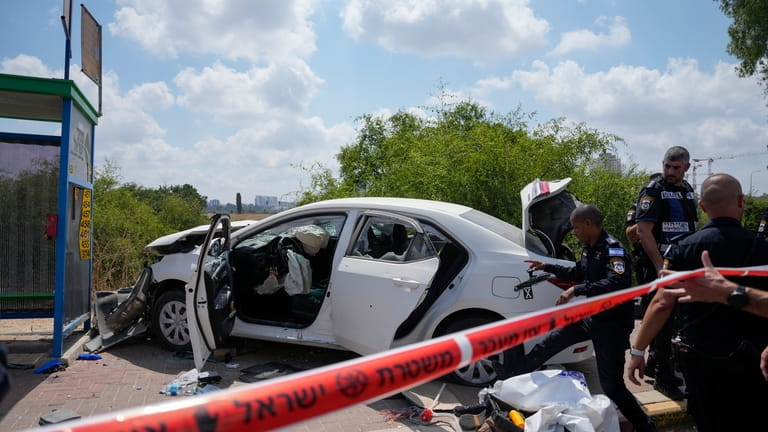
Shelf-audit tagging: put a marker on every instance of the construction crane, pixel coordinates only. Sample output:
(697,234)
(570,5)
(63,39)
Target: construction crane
(697,162)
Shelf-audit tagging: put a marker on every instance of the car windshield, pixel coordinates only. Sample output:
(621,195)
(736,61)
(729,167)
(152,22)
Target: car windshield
(506,230)
(330,223)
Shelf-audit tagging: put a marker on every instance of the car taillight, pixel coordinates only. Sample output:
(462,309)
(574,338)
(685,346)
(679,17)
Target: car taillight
(540,188)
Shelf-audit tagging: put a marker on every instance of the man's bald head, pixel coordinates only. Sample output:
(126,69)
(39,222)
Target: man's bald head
(721,196)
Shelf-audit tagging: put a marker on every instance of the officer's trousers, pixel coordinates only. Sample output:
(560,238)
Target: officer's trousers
(727,393)
(611,342)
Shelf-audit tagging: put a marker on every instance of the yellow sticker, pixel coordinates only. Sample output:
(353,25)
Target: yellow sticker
(84,236)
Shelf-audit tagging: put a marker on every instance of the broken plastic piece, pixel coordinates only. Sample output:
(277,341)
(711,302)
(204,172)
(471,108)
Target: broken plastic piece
(89,356)
(51,366)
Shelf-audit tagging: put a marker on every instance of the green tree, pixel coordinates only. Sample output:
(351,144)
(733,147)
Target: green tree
(749,36)
(466,154)
(127,217)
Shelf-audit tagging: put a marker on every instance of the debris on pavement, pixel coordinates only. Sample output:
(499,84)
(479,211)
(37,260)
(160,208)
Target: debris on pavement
(266,371)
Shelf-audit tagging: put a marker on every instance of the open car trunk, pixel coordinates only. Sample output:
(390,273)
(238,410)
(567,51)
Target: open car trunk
(549,204)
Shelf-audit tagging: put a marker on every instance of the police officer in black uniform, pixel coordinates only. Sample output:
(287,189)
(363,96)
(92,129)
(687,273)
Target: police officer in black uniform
(643,266)
(718,345)
(604,267)
(763,227)
(666,208)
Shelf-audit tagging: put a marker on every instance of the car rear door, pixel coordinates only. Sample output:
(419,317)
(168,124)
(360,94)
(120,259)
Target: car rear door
(375,289)
(208,293)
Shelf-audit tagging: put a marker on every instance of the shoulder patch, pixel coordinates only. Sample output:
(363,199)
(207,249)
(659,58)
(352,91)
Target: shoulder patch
(631,215)
(618,265)
(616,252)
(645,202)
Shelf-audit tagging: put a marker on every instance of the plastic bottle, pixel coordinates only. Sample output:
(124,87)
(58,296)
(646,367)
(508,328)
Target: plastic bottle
(175,390)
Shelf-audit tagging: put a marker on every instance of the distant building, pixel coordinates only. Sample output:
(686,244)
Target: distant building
(214,203)
(265,202)
(608,162)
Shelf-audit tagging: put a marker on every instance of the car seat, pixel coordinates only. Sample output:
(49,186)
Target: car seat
(400,239)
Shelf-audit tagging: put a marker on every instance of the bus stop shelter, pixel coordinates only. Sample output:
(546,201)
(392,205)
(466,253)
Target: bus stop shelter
(46,186)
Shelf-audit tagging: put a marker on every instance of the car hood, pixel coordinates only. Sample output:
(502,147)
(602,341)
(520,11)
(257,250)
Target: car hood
(547,207)
(187,240)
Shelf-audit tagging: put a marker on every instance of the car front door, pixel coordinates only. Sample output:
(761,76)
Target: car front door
(384,274)
(209,292)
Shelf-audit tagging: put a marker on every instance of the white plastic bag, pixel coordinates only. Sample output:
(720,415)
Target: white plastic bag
(559,399)
(299,279)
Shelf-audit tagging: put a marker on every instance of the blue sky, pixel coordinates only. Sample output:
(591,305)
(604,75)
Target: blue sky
(232,95)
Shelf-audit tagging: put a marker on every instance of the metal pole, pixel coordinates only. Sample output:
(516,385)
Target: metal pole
(750,181)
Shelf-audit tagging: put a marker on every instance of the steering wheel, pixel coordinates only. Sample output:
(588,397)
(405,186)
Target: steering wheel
(284,245)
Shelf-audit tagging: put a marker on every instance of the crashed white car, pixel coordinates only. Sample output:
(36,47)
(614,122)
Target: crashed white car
(360,274)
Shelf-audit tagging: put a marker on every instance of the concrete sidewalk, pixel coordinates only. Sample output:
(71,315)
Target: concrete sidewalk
(132,374)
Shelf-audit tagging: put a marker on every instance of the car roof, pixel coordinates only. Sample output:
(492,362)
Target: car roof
(388,203)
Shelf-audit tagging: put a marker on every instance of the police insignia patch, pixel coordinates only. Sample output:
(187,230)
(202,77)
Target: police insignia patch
(645,202)
(617,264)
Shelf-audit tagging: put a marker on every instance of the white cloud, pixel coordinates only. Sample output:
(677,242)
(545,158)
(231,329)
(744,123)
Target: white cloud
(709,112)
(24,64)
(585,40)
(234,95)
(475,29)
(637,95)
(234,29)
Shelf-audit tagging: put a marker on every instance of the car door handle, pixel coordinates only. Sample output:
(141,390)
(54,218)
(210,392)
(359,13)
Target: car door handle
(406,284)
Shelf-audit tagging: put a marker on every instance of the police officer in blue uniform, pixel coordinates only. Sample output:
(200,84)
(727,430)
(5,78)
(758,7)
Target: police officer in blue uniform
(666,208)
(718,345)
(604,267)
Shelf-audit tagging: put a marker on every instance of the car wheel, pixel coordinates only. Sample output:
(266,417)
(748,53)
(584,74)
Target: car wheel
(481,373)
(169,320)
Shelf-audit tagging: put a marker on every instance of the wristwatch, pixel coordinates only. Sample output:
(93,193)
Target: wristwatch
(636,352)
(738,298)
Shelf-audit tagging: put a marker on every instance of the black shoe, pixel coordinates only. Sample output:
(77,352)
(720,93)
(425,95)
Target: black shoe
(671,391)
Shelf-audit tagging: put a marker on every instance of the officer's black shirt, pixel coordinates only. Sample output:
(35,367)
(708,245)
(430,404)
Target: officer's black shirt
(604,268)
(717,329)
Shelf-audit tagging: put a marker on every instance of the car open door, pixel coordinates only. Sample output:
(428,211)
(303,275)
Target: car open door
(209,292)
(374,292)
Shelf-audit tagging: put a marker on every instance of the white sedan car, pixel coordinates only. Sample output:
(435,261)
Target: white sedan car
(361,274)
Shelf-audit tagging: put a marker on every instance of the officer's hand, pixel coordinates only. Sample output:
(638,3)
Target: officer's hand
(764,363)
(631,233)
(535,264)
(566,296)
(636,364)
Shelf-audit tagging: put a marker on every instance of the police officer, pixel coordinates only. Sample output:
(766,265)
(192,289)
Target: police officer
(666,208)
(763,227)
(719,344)
(644,271)
(604,267)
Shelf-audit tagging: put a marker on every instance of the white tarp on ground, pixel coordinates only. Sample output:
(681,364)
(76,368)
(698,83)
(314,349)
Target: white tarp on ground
(559,399)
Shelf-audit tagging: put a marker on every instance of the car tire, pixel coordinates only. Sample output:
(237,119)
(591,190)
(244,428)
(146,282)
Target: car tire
(169,320)
(481,373)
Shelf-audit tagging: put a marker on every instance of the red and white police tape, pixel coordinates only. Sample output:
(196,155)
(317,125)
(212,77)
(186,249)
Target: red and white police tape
(295,398)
